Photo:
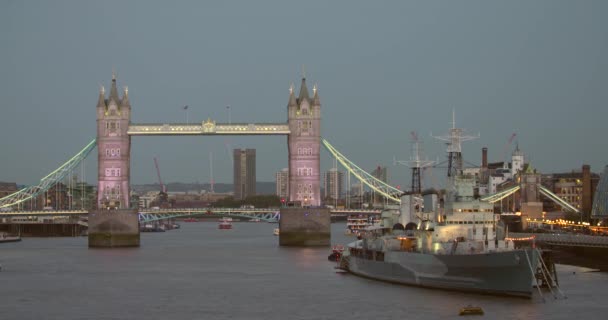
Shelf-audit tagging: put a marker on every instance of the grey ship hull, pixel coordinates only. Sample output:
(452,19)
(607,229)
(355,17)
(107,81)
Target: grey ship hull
(501,273)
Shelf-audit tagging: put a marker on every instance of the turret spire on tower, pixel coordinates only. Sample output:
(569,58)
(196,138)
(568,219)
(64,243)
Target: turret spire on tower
(125,97)
(303,91)
(292,97)
(102,96)
(113,89)
(315,95)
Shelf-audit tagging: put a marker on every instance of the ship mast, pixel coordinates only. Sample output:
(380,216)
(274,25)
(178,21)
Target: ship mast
(416,164)
(453,141)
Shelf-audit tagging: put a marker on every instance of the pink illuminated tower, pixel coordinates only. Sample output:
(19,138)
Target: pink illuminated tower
(304,141)
(113,145)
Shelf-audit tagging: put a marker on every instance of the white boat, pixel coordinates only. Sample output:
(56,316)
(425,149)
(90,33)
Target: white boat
(357,222)
(4,237)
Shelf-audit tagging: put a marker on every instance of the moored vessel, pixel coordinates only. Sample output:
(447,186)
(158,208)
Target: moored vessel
(357,222)
(456,243)
(466,250)
(8,238)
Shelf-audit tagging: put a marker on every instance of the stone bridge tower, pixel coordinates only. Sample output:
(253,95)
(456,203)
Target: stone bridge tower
(303,143)
(531,206)
(114,147)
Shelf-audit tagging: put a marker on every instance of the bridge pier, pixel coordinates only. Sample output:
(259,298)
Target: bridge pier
(113,228)
(305,227)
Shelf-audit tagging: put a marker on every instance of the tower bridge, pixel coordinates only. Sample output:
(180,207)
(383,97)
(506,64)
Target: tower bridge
(302,128)
(113,142)
(114,131)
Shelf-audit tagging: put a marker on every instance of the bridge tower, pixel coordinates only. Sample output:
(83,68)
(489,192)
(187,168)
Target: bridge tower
(114,148)
(531,206)
(303,143)
(307,224)
(118,227)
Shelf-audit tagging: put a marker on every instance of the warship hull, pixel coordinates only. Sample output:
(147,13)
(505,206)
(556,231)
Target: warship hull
(499,273)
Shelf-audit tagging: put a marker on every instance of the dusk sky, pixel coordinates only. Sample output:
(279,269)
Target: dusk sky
(383,68)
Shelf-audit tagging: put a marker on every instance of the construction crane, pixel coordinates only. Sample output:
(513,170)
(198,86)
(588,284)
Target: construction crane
(162,195)
(506,148)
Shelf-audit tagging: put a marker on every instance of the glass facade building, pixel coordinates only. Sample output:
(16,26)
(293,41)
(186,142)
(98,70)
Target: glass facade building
(600,200)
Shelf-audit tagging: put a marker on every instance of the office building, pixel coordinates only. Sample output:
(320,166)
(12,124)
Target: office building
(244,173)
(282,184)
(333,182)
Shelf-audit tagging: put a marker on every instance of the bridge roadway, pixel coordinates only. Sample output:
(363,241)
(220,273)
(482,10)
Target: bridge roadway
(566,240)
(147,215)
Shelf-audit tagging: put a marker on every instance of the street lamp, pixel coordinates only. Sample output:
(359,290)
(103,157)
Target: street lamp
(229,120)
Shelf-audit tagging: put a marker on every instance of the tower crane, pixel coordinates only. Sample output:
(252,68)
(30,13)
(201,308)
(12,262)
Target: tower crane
(162,195)
(506,148)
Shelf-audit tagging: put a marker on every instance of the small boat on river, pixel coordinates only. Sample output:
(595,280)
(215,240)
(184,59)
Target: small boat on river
(471,310)
(225,224)
(4,237)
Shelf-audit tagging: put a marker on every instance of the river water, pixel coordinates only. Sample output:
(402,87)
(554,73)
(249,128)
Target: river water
(200,272)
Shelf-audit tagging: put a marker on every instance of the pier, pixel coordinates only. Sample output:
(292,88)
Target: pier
(44,227)
(565,240)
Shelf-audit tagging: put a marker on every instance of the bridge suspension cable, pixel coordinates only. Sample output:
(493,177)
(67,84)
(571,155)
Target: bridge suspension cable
(546,192)
(375,184)
(500,195)
(49,180)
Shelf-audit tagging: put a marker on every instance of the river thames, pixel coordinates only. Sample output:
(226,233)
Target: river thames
(200,272)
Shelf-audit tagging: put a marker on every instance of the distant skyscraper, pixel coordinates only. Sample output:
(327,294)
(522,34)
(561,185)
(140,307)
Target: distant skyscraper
(282,181)
(600,200)
(244,173)
(333,184)
(379,173)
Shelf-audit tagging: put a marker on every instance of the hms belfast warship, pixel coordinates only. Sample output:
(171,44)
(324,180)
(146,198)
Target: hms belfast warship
(461,246)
